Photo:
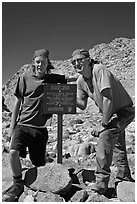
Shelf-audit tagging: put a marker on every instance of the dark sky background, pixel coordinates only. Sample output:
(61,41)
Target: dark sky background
(60,27)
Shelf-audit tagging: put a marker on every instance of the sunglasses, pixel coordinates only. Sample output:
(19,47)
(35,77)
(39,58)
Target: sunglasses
(79,60)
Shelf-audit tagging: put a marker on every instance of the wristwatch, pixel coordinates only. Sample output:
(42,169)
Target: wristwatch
(104,125)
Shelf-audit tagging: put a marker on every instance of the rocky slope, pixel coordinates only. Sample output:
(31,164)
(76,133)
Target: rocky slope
(78,145)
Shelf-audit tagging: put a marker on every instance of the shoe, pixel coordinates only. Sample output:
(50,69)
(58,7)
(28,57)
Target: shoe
(14,192)
(99,187)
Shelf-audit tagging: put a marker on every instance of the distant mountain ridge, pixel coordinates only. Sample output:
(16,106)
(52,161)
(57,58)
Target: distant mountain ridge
(118,56)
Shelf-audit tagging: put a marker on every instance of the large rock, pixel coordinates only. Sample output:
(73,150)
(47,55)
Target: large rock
(86,149)
(40,197)
(80,196)
(95,197)
(126,191)
(52,177)
(48,197)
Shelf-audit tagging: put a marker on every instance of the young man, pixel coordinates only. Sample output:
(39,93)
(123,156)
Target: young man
(28,124)
(116,106)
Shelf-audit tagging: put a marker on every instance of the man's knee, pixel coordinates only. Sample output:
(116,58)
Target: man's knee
(105,134)
(107,140)
(109,134)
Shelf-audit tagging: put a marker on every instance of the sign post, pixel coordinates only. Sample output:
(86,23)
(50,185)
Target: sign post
(59,99)
(59,139)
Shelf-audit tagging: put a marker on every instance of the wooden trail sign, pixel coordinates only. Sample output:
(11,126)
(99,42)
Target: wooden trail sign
(59,99)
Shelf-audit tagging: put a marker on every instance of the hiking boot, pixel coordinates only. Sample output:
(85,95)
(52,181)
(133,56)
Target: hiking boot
(14,192)
(99,187)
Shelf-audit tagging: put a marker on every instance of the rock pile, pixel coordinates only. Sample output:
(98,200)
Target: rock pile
(119,57)
(74,176)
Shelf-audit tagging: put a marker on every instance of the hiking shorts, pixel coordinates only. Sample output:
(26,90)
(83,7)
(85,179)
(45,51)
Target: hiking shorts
(33,138)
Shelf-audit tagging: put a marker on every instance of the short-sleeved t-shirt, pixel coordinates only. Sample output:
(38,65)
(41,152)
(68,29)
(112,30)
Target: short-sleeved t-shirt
(103,79)
(31,89)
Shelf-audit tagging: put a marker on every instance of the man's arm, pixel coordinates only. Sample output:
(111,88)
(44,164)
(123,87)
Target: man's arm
(82,96)
(72,78)
(107,112)
(82,104)
(107,105)
(15,114)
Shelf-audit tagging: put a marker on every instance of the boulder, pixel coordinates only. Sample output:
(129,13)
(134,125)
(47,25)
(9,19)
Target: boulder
(79,196)
(37,196)
(52,177)
(48,197)
(85,149)
(126,191)
(95,197)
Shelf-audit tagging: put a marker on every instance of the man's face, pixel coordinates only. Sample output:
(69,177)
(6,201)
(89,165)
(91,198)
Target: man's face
(82,65)
(40,64)
(77,62)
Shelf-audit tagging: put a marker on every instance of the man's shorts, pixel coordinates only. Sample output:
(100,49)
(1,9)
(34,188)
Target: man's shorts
(33,138)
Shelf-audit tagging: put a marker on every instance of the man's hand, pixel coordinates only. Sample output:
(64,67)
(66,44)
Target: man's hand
(97,130)
(72,78)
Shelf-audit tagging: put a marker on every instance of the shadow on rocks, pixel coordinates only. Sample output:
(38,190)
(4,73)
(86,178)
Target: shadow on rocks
(110,193)
(30,176)
(71,192)
(74,187)
(88,175)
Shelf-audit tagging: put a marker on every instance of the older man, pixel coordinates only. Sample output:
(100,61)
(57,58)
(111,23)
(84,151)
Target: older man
(116,106)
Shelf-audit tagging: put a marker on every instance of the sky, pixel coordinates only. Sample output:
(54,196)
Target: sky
(60,27)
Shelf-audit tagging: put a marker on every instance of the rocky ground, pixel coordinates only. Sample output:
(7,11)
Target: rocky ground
(71,181)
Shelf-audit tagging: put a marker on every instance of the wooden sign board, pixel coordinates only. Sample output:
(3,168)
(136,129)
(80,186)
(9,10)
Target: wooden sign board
(59,99)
